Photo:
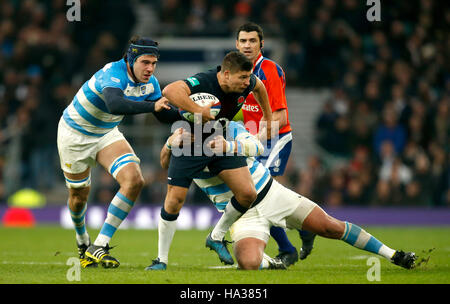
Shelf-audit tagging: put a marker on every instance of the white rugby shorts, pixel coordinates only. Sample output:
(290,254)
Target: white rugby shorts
(77,151)
(281,207)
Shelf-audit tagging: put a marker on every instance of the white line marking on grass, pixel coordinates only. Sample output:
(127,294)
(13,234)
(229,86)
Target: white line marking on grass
(360,257)
(42,263)
(31,263)
(221,267)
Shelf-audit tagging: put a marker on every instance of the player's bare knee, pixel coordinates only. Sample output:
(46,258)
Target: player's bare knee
(249,253)
(173,205)
(249,262)
(132,180)
(78,197)
(138,182)
(246,198)
(174,198)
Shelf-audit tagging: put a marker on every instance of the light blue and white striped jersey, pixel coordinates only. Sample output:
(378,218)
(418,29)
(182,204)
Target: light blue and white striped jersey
(216,190)
(88,113)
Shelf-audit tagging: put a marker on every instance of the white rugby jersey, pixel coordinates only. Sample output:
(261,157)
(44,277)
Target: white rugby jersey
(217,191)
(88,113)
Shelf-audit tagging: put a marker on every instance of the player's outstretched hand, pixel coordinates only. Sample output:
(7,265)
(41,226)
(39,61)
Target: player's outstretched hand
(162,104)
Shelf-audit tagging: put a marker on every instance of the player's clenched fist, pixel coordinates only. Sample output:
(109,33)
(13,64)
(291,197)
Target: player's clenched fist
(218,144)
(179,137)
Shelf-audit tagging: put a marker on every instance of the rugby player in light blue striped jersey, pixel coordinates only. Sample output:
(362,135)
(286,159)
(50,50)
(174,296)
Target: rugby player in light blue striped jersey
(88,134)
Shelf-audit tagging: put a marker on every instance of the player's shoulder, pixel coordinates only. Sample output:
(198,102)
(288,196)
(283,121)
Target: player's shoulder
(112,74)
(117,69)
(208,76)
(119,66)
(153,80)
(202,81)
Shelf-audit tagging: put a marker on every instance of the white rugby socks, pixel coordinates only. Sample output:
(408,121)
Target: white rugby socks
(230,216)
(167,226)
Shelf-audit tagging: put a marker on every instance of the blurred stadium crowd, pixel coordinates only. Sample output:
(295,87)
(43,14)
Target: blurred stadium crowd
(388,116)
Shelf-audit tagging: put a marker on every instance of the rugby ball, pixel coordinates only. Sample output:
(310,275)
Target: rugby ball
(202,99)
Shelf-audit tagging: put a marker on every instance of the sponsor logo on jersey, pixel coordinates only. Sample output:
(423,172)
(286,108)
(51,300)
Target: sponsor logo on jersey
(250,108)
(193,81)
(140,90)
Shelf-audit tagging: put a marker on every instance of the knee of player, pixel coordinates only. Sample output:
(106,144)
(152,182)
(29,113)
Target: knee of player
(249,262)
(246,197)
(173,205)
(132,180)
(248,253)
(79,196)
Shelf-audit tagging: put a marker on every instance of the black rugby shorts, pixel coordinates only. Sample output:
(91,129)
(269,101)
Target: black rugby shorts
(183,169)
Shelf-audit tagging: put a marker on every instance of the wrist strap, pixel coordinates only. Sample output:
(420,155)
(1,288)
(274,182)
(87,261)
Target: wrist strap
(168,145)
(230,146)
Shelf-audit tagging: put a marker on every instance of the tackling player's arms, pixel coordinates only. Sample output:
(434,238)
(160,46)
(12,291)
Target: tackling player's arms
(118,104)
(244,144)
(177,139)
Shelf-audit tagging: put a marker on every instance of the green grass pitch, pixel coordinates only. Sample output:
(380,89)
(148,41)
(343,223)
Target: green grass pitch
(40,255)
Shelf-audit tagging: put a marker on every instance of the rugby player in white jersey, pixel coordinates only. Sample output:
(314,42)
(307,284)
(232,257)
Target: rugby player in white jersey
(88,134)
(275,205)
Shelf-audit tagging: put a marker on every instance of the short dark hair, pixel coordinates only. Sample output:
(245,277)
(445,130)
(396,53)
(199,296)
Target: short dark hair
(251,27)
(235,61)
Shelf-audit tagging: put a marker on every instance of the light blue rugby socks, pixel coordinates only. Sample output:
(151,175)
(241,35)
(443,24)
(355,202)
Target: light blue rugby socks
(359,238)
(117,212)
(78,219)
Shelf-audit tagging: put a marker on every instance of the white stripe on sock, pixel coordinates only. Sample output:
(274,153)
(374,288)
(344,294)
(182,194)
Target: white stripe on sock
(113,220)
(362,239)
(116,201)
